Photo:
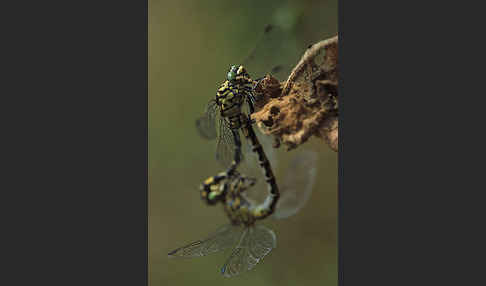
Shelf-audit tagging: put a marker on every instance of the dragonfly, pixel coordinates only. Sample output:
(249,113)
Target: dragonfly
(250,241)
(233,105)
(225,112)
(253,242)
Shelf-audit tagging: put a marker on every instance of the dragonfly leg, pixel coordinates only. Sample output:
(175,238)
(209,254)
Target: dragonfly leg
(250,98)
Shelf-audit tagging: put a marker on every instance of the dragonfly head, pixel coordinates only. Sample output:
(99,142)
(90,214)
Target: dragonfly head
(212,191)
(231,76)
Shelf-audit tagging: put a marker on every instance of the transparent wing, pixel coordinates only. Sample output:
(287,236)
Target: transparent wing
(206,124)
(255,243)
(225,237)
(225,148)
(286,38)
(297,184)
(275,52)
(210,126)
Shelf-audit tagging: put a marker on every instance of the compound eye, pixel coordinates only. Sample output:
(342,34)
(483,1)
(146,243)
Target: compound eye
(231,75)
(212,196)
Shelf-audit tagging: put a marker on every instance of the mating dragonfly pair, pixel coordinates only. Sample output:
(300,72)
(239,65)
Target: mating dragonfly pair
(251,241)
(226,110)
(224,118)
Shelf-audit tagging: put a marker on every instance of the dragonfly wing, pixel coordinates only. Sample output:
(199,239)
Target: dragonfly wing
(225,148)
(255,243)
(275,52)
(206,124)
(297,184)
(225,237)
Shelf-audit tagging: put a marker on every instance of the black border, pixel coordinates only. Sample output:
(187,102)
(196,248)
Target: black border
(76,154)
(340,242)
(405,195)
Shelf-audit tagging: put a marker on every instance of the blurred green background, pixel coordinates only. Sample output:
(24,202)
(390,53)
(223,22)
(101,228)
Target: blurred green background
(191,45)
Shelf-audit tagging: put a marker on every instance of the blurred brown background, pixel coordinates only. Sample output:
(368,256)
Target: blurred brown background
(191,45)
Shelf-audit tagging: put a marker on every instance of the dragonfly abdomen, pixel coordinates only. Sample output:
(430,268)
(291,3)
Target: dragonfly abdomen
(268,207)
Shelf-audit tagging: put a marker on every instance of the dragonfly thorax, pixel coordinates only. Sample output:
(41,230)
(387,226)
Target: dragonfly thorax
(237,208)
(233,92)
(239,211)
(230,99)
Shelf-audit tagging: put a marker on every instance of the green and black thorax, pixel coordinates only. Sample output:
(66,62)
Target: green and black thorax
(232,94)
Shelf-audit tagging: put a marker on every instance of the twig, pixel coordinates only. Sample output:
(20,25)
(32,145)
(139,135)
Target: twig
(307,103)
